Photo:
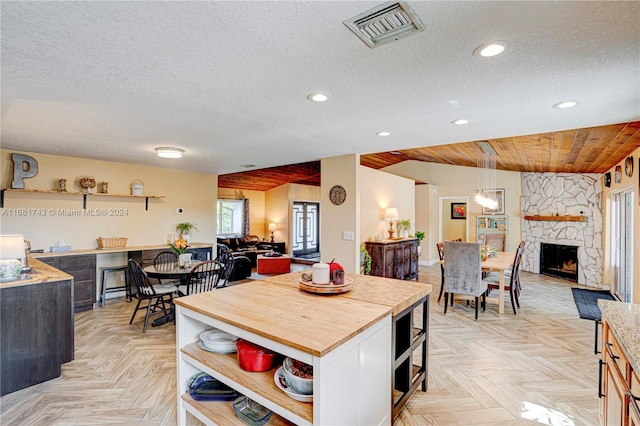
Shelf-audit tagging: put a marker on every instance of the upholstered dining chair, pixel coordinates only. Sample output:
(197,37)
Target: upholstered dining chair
(463,272)
(159,296)
(203,277)
(440,247)
(497,241)
(493,281)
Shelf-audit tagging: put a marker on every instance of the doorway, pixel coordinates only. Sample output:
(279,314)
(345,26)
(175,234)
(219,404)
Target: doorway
(305,238)
(622,244)
(451,225)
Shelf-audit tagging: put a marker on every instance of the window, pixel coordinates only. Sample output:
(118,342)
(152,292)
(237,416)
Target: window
(230,217)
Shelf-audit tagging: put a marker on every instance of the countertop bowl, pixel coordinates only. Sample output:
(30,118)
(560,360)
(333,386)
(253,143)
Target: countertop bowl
(300,385)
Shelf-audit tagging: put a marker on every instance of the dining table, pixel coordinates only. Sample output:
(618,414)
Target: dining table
(502,261)
(168,271)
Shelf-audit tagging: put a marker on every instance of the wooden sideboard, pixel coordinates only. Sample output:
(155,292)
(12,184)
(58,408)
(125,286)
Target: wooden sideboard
(394,258)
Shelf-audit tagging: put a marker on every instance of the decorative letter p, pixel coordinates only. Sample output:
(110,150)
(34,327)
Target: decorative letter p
(23,167)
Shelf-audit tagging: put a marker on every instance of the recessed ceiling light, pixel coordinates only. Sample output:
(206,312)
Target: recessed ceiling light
(491,49)
(460,122)
(248,166)
(317,97)
(565,104)
(169,152)
(383,133)
(395,152)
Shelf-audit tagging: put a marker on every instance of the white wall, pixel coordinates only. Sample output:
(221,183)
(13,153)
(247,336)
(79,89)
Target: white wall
(379,190)
(334,220)
(459,181)
(195,193)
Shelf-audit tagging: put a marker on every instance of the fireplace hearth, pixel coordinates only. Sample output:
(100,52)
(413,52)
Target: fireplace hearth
(559,261)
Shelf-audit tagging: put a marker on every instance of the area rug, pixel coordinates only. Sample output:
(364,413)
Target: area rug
(587,302)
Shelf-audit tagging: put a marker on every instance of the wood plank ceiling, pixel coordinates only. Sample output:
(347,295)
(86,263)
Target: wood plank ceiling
(588,150)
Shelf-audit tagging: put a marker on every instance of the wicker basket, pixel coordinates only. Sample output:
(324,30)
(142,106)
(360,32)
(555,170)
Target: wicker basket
(111,242)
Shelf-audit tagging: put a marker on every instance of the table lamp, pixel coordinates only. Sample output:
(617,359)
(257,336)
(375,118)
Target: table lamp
(390,214)
(11,254)
(272,227)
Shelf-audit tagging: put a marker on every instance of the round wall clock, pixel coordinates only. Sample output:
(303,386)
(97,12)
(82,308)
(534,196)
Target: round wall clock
(607,179)
(618,174)
(337,195)
(628,166)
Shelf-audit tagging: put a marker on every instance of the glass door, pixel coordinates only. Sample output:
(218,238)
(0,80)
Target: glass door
(622,245)
(306,228)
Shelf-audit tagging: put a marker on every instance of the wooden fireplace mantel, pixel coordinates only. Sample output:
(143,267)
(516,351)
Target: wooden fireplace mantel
(557,218)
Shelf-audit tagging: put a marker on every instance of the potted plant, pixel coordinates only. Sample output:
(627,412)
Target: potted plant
(365,260)
(185,229)
(403,226)
(420,236)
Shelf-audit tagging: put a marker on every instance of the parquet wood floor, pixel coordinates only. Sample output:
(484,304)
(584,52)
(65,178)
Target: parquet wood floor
(534,368)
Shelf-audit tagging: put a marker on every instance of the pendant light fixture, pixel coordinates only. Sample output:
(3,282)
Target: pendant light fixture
(486,163)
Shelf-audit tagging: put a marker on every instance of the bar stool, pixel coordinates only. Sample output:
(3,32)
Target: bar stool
(104,290)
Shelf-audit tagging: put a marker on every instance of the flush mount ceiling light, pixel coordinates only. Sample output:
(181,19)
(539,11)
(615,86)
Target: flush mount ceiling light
(492,49)
(460,122)
(169,152)
(388,22)
(317,97)
(383,133)
(565,104)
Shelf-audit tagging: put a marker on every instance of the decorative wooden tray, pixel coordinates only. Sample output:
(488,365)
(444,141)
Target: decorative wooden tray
(326,288)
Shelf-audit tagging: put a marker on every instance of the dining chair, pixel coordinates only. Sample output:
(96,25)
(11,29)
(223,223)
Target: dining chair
(165,261)
(463,272)
(493,281)
(228,263)
(203,277)
(440,247)
(497,241)
(156,295)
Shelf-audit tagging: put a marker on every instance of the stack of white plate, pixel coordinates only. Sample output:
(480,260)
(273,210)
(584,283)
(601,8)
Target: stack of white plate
(218,341)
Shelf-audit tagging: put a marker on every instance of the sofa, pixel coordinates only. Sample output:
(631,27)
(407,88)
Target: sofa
(246,246)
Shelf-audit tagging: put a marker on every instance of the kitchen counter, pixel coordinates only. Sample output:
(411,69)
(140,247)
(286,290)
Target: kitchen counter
(41,273)
(312,324)
(398,295)
(114,250)
(624,321)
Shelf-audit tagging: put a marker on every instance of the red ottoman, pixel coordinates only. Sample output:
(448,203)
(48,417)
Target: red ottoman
(274,265)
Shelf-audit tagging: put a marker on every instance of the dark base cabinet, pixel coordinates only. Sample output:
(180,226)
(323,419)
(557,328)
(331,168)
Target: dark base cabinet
(410,351)
(83,270)
(145,257)
(36,333)
(394,259)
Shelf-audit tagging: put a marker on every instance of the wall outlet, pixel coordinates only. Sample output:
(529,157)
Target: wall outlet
(347,236)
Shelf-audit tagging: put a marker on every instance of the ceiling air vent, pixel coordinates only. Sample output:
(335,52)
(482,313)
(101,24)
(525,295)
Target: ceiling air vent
(386,23)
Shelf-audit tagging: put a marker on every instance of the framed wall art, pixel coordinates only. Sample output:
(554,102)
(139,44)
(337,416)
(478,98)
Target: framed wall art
(458,210)
(495,194)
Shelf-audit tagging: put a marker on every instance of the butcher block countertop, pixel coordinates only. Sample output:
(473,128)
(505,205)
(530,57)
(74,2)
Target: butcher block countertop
(396,294)
(113,250)
(624,321)
(315,324)
(42,273)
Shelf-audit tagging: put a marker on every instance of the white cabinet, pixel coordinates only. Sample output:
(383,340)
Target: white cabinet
(352,379)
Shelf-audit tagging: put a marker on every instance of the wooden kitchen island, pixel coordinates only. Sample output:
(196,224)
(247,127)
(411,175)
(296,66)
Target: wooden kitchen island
(36,327)
(350,339)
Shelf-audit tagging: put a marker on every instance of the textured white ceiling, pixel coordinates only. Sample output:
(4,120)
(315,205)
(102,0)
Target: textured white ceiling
(227,81)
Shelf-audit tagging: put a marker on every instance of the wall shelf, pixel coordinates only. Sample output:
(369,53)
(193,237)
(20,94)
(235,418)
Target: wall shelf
(84,195)
(557,218)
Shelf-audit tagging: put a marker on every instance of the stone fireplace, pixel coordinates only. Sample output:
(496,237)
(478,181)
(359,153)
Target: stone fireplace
(560,261)
(551,194)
